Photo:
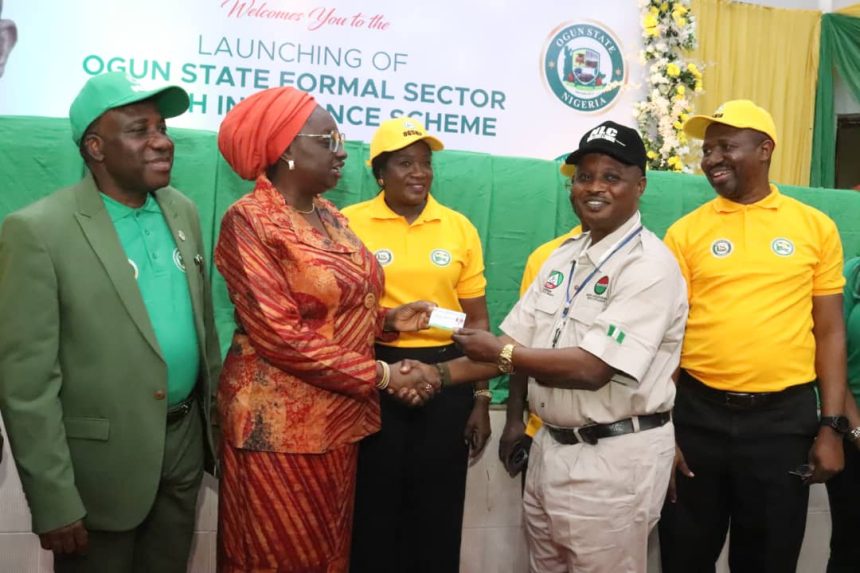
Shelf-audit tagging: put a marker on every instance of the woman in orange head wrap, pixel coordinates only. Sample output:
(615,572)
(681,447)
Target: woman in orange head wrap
(299,386)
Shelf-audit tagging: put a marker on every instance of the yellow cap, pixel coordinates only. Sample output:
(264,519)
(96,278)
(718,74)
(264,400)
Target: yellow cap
(740,113)
(568,169)
(397,133)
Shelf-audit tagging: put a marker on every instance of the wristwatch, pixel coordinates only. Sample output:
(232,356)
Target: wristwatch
(505,361)
(838,423)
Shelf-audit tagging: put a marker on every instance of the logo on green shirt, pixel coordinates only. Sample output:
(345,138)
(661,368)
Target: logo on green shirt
(178,261)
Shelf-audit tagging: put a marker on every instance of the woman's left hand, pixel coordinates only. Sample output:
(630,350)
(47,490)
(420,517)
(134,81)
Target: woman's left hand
(477,432)
(409,317)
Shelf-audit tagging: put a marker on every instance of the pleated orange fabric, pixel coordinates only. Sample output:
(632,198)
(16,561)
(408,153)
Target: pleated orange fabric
(286,513)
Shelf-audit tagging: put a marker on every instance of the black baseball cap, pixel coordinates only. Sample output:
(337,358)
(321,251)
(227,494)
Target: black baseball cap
(609,138)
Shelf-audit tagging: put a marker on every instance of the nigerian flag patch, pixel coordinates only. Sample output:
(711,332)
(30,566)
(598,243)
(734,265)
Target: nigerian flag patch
(615,333)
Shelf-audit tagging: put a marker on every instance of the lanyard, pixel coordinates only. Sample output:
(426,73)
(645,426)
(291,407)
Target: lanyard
(569,298)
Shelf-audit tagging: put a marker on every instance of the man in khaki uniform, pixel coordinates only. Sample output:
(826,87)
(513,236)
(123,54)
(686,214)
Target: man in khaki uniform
(599,334)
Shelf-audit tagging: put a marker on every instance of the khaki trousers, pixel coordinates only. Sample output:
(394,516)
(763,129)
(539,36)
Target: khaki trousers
(590,508)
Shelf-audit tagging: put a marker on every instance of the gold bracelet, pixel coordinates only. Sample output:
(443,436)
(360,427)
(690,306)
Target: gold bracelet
(505,361)
(485,393)
(386,375)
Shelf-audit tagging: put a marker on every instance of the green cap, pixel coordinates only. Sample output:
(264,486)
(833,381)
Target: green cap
(116,89)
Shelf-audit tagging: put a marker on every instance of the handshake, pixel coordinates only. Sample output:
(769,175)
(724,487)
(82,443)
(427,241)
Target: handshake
(413,382)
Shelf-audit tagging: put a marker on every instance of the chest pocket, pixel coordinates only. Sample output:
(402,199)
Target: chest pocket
(549,304)
(586,311)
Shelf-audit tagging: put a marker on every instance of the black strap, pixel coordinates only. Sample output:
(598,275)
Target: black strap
(591,434)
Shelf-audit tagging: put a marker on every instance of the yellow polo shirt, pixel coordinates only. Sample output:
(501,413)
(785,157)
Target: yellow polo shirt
(751,273)
(533,265)
(437,258)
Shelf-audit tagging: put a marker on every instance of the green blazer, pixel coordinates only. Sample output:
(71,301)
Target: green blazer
(82,379)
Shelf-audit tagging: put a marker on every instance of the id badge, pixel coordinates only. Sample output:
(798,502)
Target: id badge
(447,319)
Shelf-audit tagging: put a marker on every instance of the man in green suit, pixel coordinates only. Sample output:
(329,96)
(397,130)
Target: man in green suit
(108,350)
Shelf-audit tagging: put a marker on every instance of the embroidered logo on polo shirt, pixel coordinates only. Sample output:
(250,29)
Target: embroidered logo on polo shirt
(721,248)
(554,280)
(782,247)
(384,257)
(440,257)
(178,261)
(134,268)
(598,293)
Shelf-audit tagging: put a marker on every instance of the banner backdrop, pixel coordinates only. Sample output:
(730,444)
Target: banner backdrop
(496,76)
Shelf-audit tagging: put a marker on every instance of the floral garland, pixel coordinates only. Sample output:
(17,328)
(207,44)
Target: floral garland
(668,32)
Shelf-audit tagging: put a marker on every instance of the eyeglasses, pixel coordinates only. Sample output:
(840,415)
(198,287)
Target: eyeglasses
(336,139)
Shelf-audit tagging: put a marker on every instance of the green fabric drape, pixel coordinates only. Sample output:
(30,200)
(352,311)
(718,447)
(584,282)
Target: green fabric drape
(840,52)
(515,203)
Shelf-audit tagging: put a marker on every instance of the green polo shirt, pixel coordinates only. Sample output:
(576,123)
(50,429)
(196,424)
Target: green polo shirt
(160,273)
(851,300)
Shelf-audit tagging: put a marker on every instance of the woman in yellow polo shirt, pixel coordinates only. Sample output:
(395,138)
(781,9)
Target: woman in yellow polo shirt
(412,474)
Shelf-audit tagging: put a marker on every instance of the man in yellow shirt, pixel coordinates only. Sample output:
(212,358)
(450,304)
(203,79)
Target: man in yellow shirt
(764,280)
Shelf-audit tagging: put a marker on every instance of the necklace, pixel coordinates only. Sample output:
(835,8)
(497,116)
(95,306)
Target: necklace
(308,212)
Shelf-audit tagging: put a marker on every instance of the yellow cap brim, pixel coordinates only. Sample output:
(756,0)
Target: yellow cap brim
(435,145)
(568,169)
(697,125)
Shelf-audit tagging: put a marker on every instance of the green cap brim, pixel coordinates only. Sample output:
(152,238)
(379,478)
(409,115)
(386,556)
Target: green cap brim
(171,101)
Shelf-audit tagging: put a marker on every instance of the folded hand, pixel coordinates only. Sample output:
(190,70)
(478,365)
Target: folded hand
(71,539)
(413,382)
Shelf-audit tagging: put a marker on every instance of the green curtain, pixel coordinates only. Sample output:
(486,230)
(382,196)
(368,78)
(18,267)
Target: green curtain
(515,203)
(840,52)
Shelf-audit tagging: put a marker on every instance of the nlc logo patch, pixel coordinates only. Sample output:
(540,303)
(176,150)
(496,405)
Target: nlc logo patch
(554,280)
(584,66)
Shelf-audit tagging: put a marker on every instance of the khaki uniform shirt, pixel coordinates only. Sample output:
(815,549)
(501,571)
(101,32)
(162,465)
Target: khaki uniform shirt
(631,314)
